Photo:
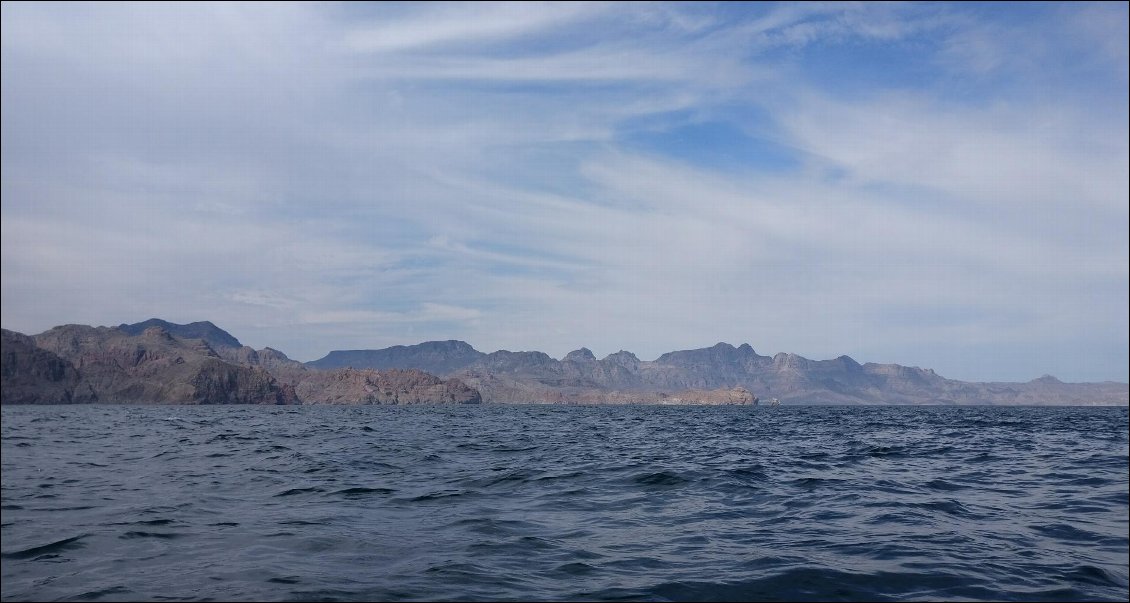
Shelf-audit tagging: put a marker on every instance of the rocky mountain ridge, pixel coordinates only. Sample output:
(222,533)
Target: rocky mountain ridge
(436,357)
(157,362)
(156,366)
(506,376)
(160,362)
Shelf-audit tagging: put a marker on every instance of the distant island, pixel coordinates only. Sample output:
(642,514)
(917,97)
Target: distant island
(158,362)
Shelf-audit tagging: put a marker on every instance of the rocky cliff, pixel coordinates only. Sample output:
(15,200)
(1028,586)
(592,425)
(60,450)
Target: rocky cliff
(156,367)
(30,375)
(393,386)
(192,364)
(736,395)
(515,389)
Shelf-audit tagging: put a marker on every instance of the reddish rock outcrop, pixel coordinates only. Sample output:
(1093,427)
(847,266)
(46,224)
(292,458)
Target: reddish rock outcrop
(393,386)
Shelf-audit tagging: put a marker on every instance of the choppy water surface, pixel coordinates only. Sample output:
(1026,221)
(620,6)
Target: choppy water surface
(594,503)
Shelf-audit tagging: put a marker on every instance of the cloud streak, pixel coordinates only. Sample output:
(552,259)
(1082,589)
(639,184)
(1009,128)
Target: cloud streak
(923,184)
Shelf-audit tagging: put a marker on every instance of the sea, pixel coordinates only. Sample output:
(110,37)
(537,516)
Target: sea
(548,503)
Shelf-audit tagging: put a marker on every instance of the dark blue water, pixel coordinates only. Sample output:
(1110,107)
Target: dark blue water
(564,502)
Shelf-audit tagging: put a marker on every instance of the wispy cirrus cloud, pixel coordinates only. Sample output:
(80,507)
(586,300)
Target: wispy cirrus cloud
(927,184)
(458,24)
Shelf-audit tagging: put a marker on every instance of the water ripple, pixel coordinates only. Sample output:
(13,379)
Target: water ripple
(564,503)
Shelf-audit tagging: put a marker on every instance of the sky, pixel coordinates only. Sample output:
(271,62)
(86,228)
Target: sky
(930,184)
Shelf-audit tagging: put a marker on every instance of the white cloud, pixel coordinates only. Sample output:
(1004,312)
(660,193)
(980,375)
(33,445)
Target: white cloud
(461,23)
(314,177)
(998,155)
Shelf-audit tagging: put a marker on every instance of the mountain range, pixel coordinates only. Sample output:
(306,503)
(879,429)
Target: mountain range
(199,363)
(506,376)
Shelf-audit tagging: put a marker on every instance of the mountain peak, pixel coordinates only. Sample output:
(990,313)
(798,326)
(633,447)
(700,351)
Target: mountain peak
(213,335)
(581,355)
(623,357)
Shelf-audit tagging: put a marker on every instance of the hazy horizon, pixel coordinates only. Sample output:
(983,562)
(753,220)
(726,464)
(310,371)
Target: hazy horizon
(933,185)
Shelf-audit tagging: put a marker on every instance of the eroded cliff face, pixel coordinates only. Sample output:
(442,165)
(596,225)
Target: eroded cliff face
(156,367)
(30,375)
(393,386)
(80,364)
(736,396)
(517,389)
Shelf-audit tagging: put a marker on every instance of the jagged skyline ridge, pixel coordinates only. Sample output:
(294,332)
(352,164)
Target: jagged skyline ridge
(157,362)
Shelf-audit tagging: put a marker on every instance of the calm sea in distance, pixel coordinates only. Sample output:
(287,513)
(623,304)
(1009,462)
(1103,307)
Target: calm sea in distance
(564,503)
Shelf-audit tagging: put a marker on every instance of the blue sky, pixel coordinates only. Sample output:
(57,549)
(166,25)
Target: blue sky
(937,185)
